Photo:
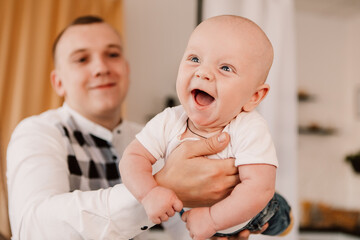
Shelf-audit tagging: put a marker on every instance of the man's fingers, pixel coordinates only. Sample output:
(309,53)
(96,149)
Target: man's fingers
(205,147)
(244,235)
(228,165)
(232,180)
(266,225)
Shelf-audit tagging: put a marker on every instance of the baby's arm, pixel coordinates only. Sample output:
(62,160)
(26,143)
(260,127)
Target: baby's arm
(249,197)
(136,173)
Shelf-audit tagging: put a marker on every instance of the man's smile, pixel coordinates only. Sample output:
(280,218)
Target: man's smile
(103,86)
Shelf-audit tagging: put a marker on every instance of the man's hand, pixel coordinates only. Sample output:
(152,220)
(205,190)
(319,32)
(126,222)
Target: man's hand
(197,180)
(243,235)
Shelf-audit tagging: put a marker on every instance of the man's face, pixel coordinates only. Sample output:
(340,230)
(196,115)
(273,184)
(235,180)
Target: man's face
(91,72)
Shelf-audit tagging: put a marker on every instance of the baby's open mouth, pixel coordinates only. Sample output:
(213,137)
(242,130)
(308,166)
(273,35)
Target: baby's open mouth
(202,98)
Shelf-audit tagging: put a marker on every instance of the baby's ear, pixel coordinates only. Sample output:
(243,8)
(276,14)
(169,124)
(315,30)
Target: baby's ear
(57,83)
(256,98)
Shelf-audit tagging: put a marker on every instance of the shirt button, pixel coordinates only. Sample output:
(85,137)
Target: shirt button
(144,228)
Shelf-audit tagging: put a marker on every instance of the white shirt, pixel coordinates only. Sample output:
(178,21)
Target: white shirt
(40,204)
(250,139)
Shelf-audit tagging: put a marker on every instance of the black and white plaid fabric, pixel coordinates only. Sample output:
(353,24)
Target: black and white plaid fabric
(92,161)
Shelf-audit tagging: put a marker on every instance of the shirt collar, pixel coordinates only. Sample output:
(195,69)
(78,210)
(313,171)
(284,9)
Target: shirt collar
(91,127)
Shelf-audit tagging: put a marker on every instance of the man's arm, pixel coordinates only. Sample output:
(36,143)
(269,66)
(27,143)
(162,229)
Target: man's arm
(197,180)
(41,205)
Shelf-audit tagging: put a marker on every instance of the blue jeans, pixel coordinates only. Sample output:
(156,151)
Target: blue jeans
(276,213)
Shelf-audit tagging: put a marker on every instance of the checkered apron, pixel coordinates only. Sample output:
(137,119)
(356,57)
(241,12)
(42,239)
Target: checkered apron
(93,162)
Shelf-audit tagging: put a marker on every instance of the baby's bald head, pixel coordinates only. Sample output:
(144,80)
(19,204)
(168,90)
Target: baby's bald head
(258,47)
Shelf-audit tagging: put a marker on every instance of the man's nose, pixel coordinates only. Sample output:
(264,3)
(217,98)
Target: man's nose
(100,67)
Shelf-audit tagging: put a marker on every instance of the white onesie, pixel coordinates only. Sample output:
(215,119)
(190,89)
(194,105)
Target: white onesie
(250,140)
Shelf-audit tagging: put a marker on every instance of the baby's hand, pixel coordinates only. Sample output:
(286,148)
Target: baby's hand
(160,204)
(199,223)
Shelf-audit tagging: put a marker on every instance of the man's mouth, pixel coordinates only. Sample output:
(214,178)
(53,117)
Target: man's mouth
(202,98)
(102,86)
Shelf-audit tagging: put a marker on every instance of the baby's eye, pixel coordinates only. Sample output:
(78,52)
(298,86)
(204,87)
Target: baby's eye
(226,68)
(194,59)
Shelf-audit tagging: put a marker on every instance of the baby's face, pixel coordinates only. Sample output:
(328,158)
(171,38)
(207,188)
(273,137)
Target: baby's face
(219,73)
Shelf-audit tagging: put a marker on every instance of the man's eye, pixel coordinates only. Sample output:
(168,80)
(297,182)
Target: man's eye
(81,60)
(114,55)
(226,68)
(194,59)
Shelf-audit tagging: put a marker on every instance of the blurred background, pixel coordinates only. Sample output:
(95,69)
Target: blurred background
(313,108)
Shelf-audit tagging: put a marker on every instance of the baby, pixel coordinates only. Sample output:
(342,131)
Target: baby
(220,82)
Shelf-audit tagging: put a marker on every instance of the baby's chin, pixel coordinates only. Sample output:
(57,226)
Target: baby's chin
(212,120)
(208,122)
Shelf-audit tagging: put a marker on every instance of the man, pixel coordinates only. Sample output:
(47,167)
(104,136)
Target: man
(63,179)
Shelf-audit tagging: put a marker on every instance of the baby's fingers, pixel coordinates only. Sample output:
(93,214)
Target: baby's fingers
(184,216)
(164,217)
(155,220)
(178,205)
(170,212)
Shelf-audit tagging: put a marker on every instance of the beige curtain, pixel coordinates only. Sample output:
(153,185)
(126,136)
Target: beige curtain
(27,30)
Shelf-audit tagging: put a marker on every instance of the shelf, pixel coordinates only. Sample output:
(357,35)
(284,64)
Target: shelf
(316,130)
(305,97)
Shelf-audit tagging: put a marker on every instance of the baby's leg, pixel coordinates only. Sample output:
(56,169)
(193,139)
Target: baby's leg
(278,214)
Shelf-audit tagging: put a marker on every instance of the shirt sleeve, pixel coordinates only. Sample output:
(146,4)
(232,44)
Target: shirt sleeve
(40,204)
(252,142)
(157,133)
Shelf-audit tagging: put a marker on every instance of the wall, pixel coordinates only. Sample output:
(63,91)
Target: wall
(156,36)
(354,129)
(328,57)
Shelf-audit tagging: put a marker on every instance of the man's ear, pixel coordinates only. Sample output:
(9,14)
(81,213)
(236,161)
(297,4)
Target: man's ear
(257,97)
(57,83)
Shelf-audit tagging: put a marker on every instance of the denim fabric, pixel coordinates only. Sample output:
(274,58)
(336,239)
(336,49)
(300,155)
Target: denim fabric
(276,213)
